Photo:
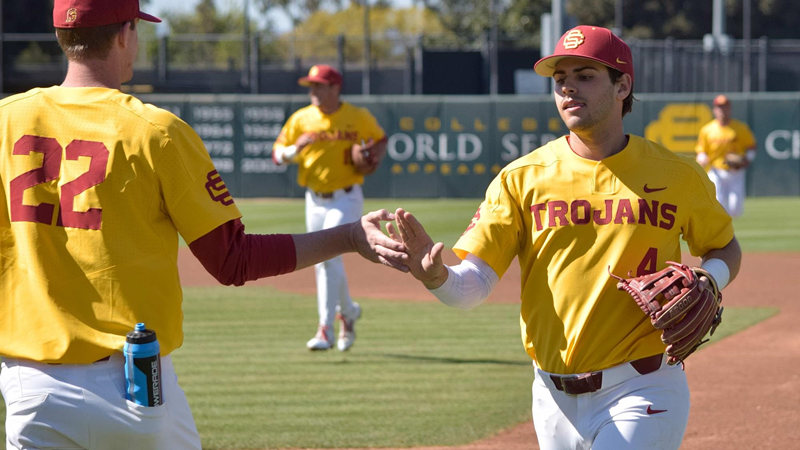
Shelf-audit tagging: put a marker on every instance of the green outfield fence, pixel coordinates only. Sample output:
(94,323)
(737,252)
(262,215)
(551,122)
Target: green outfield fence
(447,146)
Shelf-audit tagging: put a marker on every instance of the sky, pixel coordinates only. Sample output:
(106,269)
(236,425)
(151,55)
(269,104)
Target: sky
(282,22)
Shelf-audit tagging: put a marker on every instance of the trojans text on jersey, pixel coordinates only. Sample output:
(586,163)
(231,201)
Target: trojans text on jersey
(557,213)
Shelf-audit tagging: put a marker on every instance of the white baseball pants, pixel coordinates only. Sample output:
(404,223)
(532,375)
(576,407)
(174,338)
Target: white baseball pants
(333,294)
(72,406)
(630,411)
(730,186)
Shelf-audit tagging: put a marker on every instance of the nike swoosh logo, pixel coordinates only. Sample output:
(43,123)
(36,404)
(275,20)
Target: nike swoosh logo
(650,410)
(619,61)
(648,189)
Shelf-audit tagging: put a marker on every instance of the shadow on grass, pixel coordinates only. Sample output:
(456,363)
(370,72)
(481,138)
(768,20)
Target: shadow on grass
(445,360)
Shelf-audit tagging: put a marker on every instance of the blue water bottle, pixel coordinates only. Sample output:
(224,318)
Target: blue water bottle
(143,367)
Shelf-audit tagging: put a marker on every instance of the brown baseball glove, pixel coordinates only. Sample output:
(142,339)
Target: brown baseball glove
(680,304)
(366,157)
(736,161)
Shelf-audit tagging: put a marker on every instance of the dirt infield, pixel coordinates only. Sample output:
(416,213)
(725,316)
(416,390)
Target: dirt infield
(745,389)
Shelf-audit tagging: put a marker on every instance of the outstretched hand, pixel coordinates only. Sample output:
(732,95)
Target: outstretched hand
(372,244)
(424,256)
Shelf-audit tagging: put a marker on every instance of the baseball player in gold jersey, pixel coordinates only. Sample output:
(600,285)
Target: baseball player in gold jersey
(334,144)
(96,186)
(725,147)
(593,201)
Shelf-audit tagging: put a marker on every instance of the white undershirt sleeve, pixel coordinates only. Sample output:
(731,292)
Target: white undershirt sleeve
(468,284)
(718,270)
(284,154)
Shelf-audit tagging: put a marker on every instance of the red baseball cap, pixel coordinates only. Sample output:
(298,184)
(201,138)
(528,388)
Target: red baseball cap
(721,100)
(96,13)
(321,73)
(590,42)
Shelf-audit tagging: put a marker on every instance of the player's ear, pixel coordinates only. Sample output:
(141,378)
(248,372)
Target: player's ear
(624,85)
(124,35)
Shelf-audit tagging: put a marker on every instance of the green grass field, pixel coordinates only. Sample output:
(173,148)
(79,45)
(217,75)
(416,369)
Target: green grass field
(419,374)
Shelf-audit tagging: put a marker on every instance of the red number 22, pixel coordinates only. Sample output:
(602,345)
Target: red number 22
(49,171)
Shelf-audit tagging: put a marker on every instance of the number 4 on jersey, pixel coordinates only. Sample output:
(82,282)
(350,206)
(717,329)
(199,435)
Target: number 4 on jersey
(648,264)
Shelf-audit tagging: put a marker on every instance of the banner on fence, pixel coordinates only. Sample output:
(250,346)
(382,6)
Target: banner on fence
(454,146)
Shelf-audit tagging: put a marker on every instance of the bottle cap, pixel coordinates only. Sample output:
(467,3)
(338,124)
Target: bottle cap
(141,335)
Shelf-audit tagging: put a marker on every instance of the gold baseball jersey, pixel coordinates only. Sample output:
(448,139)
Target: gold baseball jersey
(716,141)
(95,187)
(570,221)
(327,165)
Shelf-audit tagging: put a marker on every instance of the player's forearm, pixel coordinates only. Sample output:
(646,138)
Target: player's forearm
(730,255)
(363,236)
(319,246)
(467,284)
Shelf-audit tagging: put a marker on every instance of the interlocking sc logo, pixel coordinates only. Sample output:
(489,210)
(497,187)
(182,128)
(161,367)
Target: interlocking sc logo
(217,190)
(573,39)
(72,15)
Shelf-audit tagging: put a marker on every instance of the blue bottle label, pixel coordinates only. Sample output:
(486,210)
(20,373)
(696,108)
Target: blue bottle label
(143,379)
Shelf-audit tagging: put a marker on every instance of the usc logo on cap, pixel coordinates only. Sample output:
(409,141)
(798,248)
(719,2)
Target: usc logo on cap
(314,71)
(72,15)
(573,39)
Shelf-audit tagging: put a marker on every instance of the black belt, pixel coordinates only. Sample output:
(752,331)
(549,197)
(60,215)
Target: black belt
(99,360)
(346,189)
(593,381)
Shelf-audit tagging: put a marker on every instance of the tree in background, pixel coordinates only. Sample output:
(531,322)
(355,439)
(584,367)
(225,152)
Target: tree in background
(648,19)
(392,32)
(206,19)
(776,19)
(319,24)
(689,19)
(645,19)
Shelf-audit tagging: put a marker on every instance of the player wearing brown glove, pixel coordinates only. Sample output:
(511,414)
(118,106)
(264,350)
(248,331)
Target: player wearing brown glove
(736,161)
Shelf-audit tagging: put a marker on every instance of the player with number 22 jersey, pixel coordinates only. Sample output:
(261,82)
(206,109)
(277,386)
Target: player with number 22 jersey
(74,205)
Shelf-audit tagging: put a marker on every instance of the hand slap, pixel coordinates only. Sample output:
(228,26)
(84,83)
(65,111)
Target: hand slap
(424,256)
(371,243)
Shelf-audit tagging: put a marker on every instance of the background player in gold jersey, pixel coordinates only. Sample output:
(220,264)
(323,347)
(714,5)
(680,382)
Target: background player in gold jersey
(96,186)
(725,147)
(334,144)
(593,201)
